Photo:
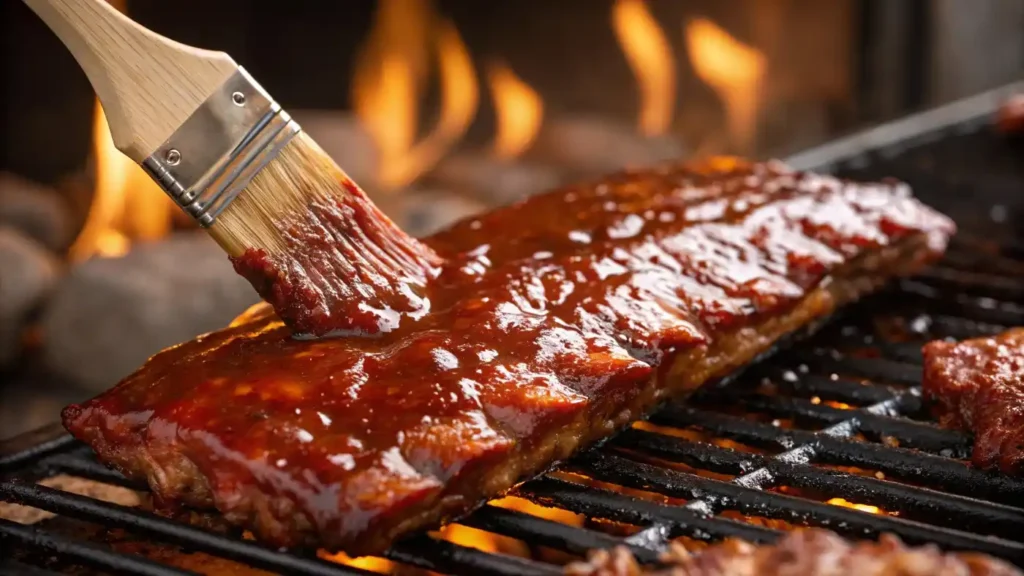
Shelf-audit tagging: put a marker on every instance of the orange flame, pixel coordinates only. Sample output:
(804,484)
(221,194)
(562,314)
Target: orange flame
(519,110)
(649,55)
(126,204)
(371,563)
(483,540)
(524,505)
(472,537)
(490,542)
(390,77)
(855,506)
(731,68)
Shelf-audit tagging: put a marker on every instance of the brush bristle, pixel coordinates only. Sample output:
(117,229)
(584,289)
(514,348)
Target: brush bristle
(277,197)
(314,245)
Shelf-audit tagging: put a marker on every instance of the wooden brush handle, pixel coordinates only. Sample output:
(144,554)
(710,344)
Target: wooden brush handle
(148,84)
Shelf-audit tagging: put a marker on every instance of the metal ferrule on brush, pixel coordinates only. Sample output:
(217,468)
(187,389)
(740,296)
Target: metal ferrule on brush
(214,155)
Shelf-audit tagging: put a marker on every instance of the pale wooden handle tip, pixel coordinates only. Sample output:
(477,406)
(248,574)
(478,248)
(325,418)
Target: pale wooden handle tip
(148,84)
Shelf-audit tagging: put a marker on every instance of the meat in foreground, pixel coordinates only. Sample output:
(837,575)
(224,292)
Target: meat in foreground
(547,326)
(978,386)
(810,552)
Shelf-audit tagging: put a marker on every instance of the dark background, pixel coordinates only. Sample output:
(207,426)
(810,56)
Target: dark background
(902,55)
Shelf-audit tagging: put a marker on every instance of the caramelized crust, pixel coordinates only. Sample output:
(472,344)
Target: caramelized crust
(549,325)
(978,386)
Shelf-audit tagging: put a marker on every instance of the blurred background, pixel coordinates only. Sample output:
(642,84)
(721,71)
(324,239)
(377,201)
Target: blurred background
(439,110)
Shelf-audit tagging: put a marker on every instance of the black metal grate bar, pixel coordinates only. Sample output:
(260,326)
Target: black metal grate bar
(85,554)
(9,567)
(911,434)
(931,505)
(876,369)
(441,556)
(941,302)
(26,450)
(89,468)
(602,503)
(975,284)
(137,521)
(548,533)
(721,496)
(898,463)
(838,389)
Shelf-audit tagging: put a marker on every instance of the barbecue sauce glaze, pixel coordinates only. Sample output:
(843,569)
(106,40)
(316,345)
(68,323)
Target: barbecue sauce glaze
(348,270)
(486,336)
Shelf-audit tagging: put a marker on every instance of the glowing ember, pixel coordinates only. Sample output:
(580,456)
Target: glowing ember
(696,436)
(855,506)
(519,111)
(390,77)
(371,563)
(483,540)
(650,57)
(733,70)
(773,523)
(555,514)
(490,542)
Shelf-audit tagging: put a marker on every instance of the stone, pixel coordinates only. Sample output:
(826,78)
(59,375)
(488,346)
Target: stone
(109,315)
(421,212)
(28,272)
(494,181)
(588,146)
(36,210)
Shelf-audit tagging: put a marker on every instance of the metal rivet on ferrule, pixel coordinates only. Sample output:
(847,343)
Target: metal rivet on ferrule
(238,98)
(173,157)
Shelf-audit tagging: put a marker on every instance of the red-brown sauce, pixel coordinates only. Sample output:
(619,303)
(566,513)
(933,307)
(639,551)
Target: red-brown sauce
(1010,116)
(978,386)
(528,313)
(348,270)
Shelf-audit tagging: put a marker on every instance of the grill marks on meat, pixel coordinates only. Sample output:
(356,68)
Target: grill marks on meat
(978,386)
(552,323)
(809,552)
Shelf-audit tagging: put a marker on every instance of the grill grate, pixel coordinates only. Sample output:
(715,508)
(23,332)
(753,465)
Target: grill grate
(839,416)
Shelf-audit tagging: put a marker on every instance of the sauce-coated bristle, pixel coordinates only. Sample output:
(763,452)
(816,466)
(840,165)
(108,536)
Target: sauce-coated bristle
(313,244)
(278,197)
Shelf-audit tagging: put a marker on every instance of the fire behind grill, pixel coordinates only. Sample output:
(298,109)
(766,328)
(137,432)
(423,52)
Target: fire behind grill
(838,416)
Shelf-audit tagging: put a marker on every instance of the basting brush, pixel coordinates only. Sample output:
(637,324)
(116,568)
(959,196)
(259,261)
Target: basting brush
(308,238)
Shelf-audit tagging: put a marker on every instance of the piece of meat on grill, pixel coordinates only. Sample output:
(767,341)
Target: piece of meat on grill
(552,324)
(978,386)
(808,552)
(1010,116)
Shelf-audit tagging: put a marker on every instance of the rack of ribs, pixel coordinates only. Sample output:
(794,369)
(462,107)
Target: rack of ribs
(978,386)
(546,326)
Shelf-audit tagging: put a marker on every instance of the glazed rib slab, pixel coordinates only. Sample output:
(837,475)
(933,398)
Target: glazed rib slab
(553,323)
